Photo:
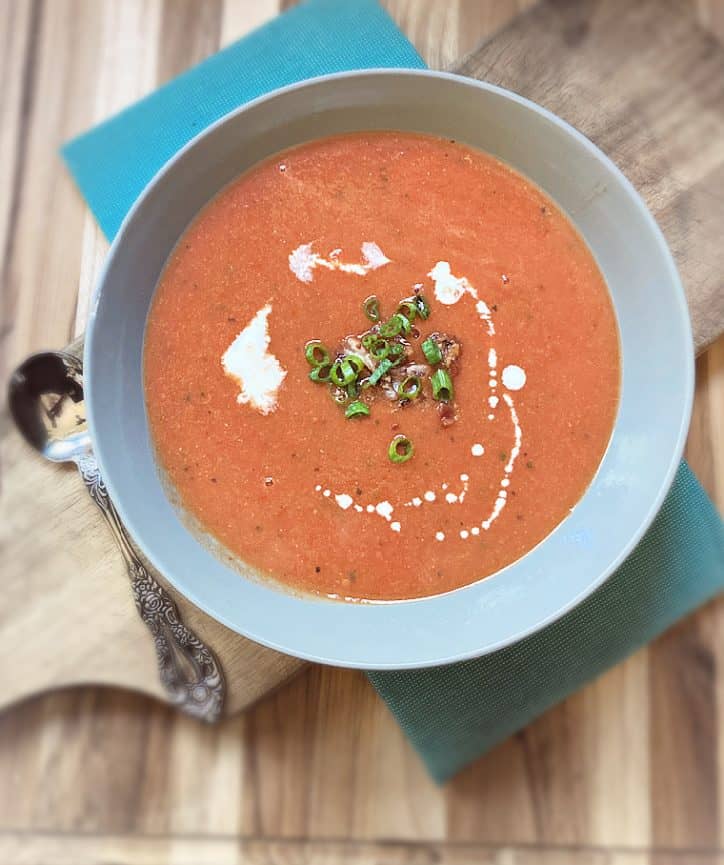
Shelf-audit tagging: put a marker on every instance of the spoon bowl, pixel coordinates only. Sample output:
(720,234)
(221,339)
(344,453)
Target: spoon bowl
(45,395)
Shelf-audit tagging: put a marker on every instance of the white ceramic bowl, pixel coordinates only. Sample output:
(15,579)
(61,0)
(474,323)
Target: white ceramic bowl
(634,476)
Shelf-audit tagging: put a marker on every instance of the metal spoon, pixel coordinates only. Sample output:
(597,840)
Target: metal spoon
(46,401)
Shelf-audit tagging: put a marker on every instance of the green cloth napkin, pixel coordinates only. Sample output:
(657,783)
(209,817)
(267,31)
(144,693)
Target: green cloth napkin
(451,714)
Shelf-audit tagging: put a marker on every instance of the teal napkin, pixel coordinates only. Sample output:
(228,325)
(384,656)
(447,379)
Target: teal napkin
(455,713)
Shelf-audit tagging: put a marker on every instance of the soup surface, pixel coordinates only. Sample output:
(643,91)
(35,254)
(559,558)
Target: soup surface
(509,422)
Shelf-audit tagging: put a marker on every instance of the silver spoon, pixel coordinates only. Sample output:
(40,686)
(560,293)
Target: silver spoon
(46,401)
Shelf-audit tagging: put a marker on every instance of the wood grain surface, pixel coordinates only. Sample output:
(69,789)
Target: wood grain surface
(627,771)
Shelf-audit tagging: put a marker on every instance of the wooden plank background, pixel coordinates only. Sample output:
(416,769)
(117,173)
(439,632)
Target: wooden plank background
(627,772)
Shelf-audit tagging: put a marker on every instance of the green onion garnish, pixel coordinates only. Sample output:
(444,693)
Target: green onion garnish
(410,388)
(401,449)
(405,323)
(371,308)
(396,351)
(357,363)
(321,373)
(442,386)
(423,307)
(378,347)
(431,350)
(345,370)
(392,326)
(357,409)
(408,308)
(388,343)
(316,353)
(382,369)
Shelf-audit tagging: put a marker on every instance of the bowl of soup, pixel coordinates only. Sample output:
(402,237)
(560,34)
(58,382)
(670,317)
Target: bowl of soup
(389,369)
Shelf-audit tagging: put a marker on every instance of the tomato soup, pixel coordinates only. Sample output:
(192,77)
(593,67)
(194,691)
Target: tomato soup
(380,366)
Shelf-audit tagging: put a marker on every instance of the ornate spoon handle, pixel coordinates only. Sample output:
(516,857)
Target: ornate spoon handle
(189,670)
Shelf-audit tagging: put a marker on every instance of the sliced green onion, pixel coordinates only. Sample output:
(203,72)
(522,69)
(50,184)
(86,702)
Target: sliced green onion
(338,394)
(423,307)
(371,308)
(316,353)
(392,326)
(321,373)
(343,372)
(357,363)
(410,388)
(431,350)
(405,323)
(442,386)
(377,346)
(396,351)
(352,389)
(382,369)
(357,409)
(408,308)
(398,323)
(401,449)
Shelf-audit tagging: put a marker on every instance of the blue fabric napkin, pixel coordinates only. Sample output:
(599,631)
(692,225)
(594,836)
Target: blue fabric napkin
(455,713)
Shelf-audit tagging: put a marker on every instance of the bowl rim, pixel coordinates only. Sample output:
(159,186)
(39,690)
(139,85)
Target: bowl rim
(674,458)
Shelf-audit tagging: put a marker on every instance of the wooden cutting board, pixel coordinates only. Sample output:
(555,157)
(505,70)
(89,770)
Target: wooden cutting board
(641,80)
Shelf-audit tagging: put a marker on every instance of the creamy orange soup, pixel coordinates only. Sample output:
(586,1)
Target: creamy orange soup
(487,420)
